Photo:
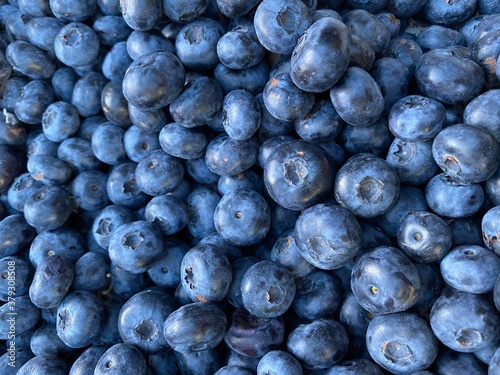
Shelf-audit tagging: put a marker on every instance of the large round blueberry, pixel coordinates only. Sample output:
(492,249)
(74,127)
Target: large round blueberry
(367,185)
(298,175)
(206,273)
(276,361)
(198,326)
(327,236)
(385,281)
(401,342)
(146,85)
(226,156)
(267,289)
(121,358)
(466,153)
(242,217)
(76,44)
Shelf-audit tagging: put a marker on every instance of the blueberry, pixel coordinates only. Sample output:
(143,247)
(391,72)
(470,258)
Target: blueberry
(227,156)
(357,98)
(391,285)
(182,142)
(27,316)
(49,170)
(138,144)
(252,336)
(321,124)
(142,17)
(201,204)
(87,94)
(195,327)
(366,185)
(121,358)
(321,55)
(401,342)
(122,186)
(298,175)
(374,138)
(242,217)
(142,42)
(464,322)
(76,44)
(204,362)
(482,113)
(353,317)
(159,173)
(267,289)
(319,344)
(448,14)
(51,282)
(240,115)
(17,272)
(145,86)
(41,364)
(114,104)
(30,60)
(285,251)
(245,180)
(68,11)
(45,341)
(136,246)
(36,96)
(424,237)
(206,273)
(470,268)
(252,79)
(166,272)
(42,31)
(87,360)
(436,36)
(276,361)
(333,240)
(15,234)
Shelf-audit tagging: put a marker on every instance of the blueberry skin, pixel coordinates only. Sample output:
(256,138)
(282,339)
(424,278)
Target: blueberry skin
(141,320)
(76,44)
(474,161)
(30,60)
(267,289)
(353,317)
(449,14)
(321,55)
(114,104)
(168,213)
(470,268)
(142,42)
(86,362)
(196,44)
(60,121)
(15,272)
(182,142)
(284,100)
(69,11)
(416,118)
(182,11)
(143,16)
(206,273)
(239,48)
(65,241)
(482,113)
(22,356)
(15,234)
(240,115)
(87,94)
(236,8)
(367,26)
(49,170)
(42,31)
(121,359)
(494,364)
(392,284)
(146,86)
(253,336)
(200,101)
(122,186)
(279,24)
(252,79)
(298,175)
(138,144)
(239,267)
(413,161)
(44,364)
(401,342)
(12,91)
(107,143)
(440,69)
(464,322)
(285,251)
(45,341)
(366,185)
(436,36)
(466,231)
(405,50)
(201,204)
(92,272)
(357,367)
(89,190)
(51,282)
(36,96)
(276,361)
(49,207)
(245,180)
(233,370)
(136,246)
(362,54)
(318,295)
(252,214)
(319,344)
(166,272)
(204,362)
(195,327)
(374,138)
(322,124)
(26,318)
(269,145)
(357,98)
(424,237)
(226,156)
(333,240)
(159,173)
(452,199)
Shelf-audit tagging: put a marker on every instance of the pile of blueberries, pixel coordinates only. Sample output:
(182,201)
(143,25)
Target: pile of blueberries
(238,187)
